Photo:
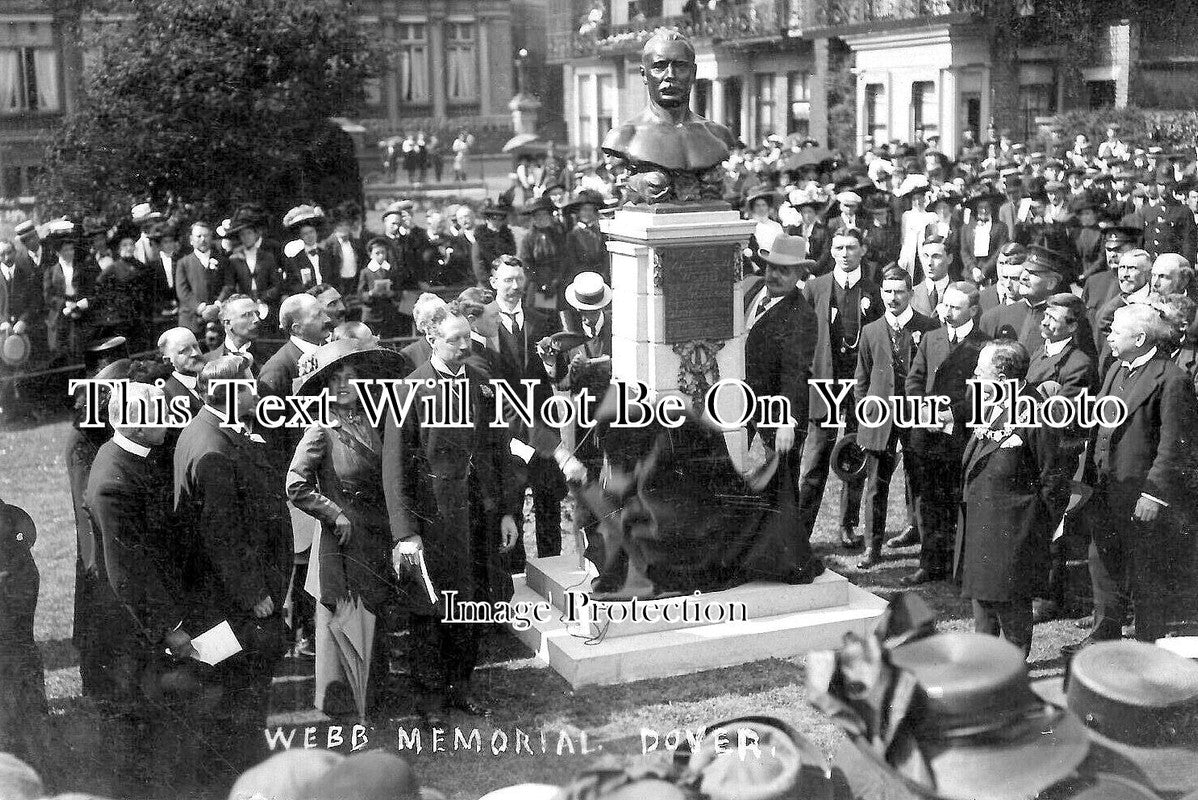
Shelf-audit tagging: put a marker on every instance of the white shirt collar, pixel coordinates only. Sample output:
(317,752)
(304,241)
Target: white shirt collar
(598,326)
(985,224)
(902,319)
(960,333)
(846,279)
(440,365)
(1055,348)
(506,320)
(1132,366)
(304,346)
(8,271)
(203,258)
(243,350)
(475,336)
(128,445)
(374,266)
(939,285)
(188,381)
(1140,295)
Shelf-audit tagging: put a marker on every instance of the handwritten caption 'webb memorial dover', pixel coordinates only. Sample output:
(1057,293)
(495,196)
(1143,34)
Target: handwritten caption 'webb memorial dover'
(731,403)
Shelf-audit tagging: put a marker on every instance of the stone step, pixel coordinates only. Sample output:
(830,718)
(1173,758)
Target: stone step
(559,580)
(583,659)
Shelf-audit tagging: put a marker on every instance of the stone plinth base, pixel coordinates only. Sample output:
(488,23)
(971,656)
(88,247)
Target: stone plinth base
(610,647)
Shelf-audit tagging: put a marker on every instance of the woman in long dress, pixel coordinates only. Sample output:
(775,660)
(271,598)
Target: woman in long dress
(336,477)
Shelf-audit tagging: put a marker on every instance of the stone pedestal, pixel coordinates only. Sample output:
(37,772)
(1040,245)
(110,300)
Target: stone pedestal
(678,322)
(525,109)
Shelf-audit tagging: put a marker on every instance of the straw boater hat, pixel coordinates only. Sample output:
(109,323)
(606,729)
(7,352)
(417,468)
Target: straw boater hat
(372,362)
(301,215)
(588,292)
(1140,704)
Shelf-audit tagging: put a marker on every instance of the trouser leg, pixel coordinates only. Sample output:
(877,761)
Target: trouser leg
(813,474)
(1108,575)
(877,495)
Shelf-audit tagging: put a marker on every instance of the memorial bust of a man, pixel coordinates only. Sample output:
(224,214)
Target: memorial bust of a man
(670,152)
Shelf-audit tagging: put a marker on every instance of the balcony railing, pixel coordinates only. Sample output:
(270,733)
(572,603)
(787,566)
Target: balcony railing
(757,20)
(837,13)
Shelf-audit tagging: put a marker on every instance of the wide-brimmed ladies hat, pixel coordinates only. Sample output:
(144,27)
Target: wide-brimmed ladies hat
(1140,704)
(542,203)
(368,362)
(584,196)
(588,292)
(302,215)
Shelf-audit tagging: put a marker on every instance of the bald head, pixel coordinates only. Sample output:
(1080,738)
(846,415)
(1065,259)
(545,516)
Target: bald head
(1171,274)
(180,349)
(358,331)
(1135,329)
(304,316)
(133,413)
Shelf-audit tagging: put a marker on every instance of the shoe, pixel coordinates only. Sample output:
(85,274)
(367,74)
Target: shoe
(1044,611)
(907,538)
(849,539)
(920,576)
(459,700)
(871,559)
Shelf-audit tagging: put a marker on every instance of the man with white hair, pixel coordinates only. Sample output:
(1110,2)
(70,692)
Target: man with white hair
(1143,499)
(306,323)
(1172,274)
(179,348)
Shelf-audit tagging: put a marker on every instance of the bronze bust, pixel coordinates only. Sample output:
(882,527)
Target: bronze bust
(671,153)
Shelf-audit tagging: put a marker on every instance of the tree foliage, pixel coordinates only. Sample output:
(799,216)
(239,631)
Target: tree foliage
(208,103)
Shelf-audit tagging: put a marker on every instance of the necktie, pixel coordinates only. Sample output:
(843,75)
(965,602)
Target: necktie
(934,296)
(761,307)
(511,315)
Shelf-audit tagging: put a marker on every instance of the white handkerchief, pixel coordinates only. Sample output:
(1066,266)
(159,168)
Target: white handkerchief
(521,451)
(215,645)
(1011,441)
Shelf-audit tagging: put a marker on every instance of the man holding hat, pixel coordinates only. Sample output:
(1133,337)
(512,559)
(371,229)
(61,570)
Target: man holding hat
(495,239)
(780,341)
(1040,279)
(1143,498)
(888,346)
(845,301)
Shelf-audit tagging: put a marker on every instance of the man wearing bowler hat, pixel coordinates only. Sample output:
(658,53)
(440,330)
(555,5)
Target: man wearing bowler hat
(780,344)
(1143,495)
(888,346)
(844,302)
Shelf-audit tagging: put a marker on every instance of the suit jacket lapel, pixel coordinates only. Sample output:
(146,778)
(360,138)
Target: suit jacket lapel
(1145,382)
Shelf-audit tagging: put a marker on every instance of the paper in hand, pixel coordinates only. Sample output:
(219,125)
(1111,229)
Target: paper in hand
(215,645)
(521,450)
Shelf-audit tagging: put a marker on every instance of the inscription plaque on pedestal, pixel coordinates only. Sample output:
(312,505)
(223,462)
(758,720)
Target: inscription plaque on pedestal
(697,291)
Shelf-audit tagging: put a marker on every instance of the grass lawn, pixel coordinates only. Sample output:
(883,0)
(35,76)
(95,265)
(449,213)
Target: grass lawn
(523,694)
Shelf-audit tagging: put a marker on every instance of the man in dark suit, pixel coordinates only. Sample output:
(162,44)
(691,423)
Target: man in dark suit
(1101,286)
(1169,226)
(844,302)
(849,218)
(1004,291)
(234,537)
(449,494)
(883,239)
(304,321)
(1133,274)
(945,360)
(458,266)
(412,254)
(888,346)
(1016,487)
(20,292)
(178,348)
(521,328)
(129,501)
(347,248)
(254,270)
(1041,278)
(200,279)
(241,319)
(1143,492)
(981,239)
(934,259)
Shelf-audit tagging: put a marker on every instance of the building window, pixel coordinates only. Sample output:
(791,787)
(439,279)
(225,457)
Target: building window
(28,79)
(925,111)
(463,63)
(413,63)
(1102,94)
(19,181)
(586,118)
(875,113)
(1038,99)
(605,104)
(765,105)
(798,101)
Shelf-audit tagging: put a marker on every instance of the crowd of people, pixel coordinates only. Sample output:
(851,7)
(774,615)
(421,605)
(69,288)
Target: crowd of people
(902,273)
